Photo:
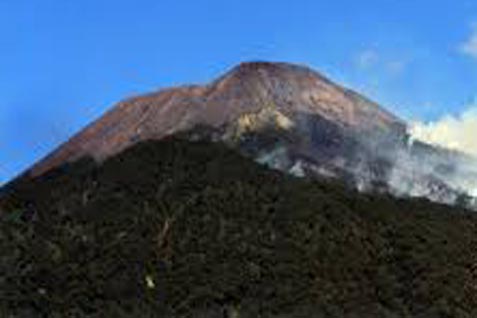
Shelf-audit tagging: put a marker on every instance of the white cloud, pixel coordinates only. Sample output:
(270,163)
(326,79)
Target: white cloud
(396,66)
(367,59)
(453,132)
(373,59)
(469,47)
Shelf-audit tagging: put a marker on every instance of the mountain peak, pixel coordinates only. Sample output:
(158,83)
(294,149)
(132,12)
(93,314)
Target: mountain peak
(250,89)
(252,66)
(278,71)
(286,116)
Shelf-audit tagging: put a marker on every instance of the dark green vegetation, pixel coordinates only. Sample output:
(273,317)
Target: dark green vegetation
(181,229)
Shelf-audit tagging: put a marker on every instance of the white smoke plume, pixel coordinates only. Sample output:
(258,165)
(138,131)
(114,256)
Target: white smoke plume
(459,133)
(452,132)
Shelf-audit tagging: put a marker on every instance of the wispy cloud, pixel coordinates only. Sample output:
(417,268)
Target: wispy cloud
(372,59)
(396,66)
(367,59)
(469,47)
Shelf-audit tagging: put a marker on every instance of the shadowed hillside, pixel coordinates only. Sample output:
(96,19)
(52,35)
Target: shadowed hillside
(175,228)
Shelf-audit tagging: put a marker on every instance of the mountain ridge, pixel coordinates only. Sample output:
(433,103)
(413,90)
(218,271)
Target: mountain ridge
(204,105)
(290,118)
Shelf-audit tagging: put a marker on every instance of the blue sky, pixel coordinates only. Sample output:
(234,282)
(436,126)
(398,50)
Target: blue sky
(64,62)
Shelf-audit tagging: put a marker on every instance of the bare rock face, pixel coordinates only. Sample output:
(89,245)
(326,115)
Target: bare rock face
(251,90)
(286,116)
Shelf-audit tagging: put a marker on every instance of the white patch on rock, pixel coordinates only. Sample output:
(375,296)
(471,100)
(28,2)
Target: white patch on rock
(297,170)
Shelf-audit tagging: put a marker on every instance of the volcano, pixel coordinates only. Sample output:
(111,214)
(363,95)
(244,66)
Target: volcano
(178,214)
(286,116)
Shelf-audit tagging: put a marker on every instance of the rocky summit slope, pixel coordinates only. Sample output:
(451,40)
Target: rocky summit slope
(288,117)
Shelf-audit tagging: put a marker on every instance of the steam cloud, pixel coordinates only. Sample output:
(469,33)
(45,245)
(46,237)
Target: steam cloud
(453,132)
(457,133)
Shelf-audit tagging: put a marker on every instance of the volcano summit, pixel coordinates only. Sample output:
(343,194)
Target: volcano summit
(288,117)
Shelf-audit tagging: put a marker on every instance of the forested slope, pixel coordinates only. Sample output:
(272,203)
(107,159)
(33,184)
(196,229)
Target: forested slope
(192,229)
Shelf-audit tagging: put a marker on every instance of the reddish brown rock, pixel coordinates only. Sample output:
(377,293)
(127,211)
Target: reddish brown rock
(250,87)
